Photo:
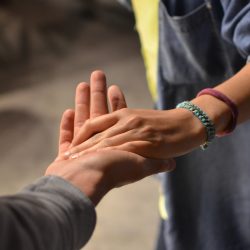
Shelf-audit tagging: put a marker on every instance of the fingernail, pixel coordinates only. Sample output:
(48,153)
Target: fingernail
(74,156)
(67,154)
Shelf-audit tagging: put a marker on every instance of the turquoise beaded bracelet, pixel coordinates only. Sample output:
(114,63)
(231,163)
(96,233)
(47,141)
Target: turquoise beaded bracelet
(202,116)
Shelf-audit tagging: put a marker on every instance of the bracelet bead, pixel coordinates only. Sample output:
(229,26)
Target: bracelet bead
(205,120)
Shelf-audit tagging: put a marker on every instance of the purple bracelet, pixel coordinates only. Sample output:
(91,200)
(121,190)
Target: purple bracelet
(233,108)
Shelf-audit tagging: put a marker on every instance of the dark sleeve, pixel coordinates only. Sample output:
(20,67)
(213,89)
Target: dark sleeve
(49,214)
(236,25)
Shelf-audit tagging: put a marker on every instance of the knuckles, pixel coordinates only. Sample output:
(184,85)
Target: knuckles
(158,141)
(153,136)
(134,121)
(129,118)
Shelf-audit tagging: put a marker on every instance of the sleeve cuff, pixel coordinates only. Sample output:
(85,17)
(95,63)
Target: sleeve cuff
(76,204)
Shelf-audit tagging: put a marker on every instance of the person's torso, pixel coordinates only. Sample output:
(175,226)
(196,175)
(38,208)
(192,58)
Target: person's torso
(208,195)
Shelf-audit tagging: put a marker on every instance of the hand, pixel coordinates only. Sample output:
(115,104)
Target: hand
(97,173)
(149,133)
(90,102)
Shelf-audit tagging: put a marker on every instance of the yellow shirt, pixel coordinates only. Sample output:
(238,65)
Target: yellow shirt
(146,14)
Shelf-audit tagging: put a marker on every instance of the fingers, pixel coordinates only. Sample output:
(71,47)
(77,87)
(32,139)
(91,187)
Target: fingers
(82,106)
(128,167)
(113,136)
(137,147)
(116,98)
(94,126)
(66,132)
(91,102)
(142,148)
(98,94)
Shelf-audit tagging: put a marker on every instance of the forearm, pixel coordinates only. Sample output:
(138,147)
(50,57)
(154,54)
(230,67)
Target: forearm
(50,214)
(169,133)
(237,89)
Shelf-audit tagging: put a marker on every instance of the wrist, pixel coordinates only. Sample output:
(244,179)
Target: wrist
(87,179)
(186,121)
(217,111)
(91,183)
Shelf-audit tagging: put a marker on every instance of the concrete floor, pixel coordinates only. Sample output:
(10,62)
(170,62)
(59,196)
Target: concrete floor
(33,96)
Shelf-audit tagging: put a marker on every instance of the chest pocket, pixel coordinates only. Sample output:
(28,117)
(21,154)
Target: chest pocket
(191,50)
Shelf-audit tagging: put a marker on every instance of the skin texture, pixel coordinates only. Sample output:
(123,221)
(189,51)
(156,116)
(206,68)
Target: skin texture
(163,134)
(90,102)
(150,133)
(98,172)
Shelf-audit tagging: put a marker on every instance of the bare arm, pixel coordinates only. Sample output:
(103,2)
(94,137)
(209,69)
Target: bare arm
(237,89)
(164,134)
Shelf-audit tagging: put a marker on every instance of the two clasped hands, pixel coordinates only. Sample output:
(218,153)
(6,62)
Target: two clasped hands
(99,150)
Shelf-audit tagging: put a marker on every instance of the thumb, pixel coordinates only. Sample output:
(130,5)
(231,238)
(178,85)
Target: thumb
(153,166)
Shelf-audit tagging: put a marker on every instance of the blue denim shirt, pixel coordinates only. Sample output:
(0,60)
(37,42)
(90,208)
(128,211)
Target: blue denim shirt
(209,40)
(235,25)
(202,43)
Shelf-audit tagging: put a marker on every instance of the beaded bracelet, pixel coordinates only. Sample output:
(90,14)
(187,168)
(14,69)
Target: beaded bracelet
(233,108)
(202,116)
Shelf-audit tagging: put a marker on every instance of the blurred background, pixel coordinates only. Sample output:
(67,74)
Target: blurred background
(46,48)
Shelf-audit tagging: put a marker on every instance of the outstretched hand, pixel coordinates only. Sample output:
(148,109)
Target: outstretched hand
(90,102)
